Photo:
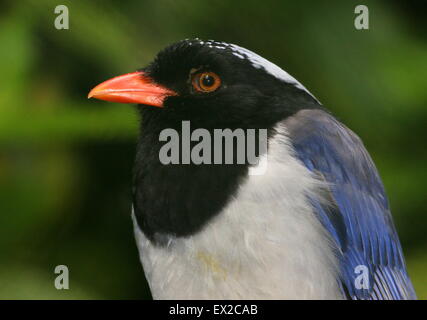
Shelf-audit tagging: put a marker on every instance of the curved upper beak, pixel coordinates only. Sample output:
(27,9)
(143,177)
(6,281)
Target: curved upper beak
(134,87)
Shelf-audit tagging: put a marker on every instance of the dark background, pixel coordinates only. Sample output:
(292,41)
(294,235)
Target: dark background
(65,161)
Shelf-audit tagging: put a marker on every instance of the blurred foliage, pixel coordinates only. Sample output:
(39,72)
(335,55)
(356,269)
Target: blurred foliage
(65,162)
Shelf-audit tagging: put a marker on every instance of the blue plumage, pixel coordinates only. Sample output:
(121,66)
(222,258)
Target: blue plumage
(358,217)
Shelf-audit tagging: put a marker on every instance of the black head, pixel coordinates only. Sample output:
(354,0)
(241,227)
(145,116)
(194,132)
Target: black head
(223,85)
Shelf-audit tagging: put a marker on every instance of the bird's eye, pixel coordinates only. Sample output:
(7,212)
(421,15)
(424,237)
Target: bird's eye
(206,81)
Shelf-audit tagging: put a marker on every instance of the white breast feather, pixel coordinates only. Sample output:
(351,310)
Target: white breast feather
(266,244)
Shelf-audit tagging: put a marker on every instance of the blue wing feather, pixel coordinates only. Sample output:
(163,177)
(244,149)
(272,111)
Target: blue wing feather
(359,220)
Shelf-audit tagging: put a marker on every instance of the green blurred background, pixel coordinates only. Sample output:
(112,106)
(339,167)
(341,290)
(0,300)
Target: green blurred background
(65,161)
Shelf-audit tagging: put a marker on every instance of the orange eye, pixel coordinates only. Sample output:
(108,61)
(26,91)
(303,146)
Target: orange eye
(206,81)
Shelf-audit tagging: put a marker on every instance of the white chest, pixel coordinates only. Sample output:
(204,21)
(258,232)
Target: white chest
(266,244)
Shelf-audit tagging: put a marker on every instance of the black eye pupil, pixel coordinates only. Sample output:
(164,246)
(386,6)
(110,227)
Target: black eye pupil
(208,80)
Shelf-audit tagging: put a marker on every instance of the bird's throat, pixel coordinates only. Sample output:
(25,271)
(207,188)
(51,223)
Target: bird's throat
(178,199)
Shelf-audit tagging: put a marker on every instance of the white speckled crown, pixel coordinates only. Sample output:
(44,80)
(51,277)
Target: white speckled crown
(256,60)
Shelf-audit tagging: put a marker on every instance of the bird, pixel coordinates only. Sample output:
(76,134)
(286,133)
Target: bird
(315,225)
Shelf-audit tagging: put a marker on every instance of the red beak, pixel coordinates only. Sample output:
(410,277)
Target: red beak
(133,87)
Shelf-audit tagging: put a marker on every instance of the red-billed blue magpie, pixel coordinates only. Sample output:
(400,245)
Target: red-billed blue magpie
(315,225)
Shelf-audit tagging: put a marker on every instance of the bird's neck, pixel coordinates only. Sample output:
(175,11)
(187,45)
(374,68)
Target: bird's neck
(177,199)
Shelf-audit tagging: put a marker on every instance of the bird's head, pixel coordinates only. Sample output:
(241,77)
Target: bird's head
(213,84)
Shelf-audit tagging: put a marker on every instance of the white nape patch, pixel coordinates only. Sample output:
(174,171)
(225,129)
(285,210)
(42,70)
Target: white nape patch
(258,62)
(238,55)
(266,244)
